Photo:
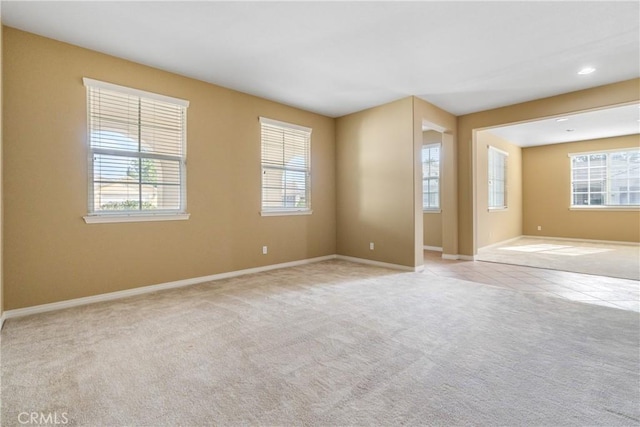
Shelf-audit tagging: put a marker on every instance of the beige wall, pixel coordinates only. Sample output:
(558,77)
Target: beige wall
(547,195)
(379,180)
(432,221)
(603,96)
(52,255)
(498,225)
(446,123)
(375,183)
(1,180)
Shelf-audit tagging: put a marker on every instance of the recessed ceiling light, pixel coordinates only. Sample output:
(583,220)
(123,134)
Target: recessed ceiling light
(562,119)
(570,130)
(586,70)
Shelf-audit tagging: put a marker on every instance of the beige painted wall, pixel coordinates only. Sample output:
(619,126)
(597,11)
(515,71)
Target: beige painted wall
(52,255)
(432,221)
(603,96)
(1,192)
(375,183)
(379,180)
(547,195)
(498,225)
(446,123)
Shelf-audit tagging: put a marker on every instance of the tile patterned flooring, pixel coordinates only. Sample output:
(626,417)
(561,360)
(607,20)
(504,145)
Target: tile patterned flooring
(608,291)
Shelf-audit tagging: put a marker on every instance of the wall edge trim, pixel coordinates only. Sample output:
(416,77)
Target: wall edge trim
(76,302)
(608,242)
(432,248)
(380,263)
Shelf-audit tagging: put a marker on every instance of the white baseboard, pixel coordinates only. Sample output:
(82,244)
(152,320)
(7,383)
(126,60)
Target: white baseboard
(503,242)
(19,312)
(432,248)
(380,263)
(44,308)
(2,321)
(459,257)
(607,242)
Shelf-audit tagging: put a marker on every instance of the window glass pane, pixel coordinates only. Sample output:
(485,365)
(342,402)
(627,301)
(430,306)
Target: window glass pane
(137,147)
(285,167)
(430,173)
(610,178)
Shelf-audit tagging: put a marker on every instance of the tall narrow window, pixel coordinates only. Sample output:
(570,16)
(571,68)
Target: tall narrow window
(431,177)
(137,144)
(497,178)
(610,178)
(286,168)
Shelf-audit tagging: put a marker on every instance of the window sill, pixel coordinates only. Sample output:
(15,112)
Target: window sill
(432,211)
(284,213)
(102,219)
(606,208)
(497,209)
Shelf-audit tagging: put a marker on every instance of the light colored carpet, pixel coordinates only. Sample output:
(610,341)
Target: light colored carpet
(332,343)
(602,259)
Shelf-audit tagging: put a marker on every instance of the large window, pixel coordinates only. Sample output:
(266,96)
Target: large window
(497,178)
(286,168)
(137,151)
(610,178)
(431,177)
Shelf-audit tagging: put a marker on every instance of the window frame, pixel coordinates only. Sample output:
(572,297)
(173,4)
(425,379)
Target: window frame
(505,182)
(282,210)
(607,186)
(438,208)
(140,215)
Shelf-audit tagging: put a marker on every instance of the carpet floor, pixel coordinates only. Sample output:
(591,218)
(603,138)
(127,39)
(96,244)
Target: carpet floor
(332,343)
(602,259)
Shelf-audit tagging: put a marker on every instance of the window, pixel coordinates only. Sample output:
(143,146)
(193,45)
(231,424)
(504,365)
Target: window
(497,178)
(610,178)
(137,159)
(285,168)
(431,177)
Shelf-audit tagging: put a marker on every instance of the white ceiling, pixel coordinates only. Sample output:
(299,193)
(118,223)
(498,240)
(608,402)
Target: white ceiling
(335,58)
(604,123)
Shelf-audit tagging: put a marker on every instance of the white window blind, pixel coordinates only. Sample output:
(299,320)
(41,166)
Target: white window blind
(431,177)
(286,168)
(497,178)
(610,178)
(137,144)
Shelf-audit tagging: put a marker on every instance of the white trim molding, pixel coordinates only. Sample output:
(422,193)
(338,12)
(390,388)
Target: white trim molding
(380,263)
(37,309)
(455,257)
(432,248)
(76,302)
(109,218)
(575,239)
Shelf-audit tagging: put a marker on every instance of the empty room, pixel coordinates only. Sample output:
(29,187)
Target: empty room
(319,213)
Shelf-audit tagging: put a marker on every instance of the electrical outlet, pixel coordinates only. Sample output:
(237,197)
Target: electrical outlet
(371,246)
(264,250)
(539,228)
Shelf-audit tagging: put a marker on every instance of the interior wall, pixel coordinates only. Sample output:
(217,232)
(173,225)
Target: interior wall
(598,97)
(498,225)
(53,255)
(547,195)
(1,181)
(375,183)
(432,221)
(447,124)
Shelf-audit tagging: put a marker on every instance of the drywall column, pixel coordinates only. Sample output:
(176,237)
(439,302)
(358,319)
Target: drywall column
(442,121)
(375,179)
(1,194)
(598,97)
